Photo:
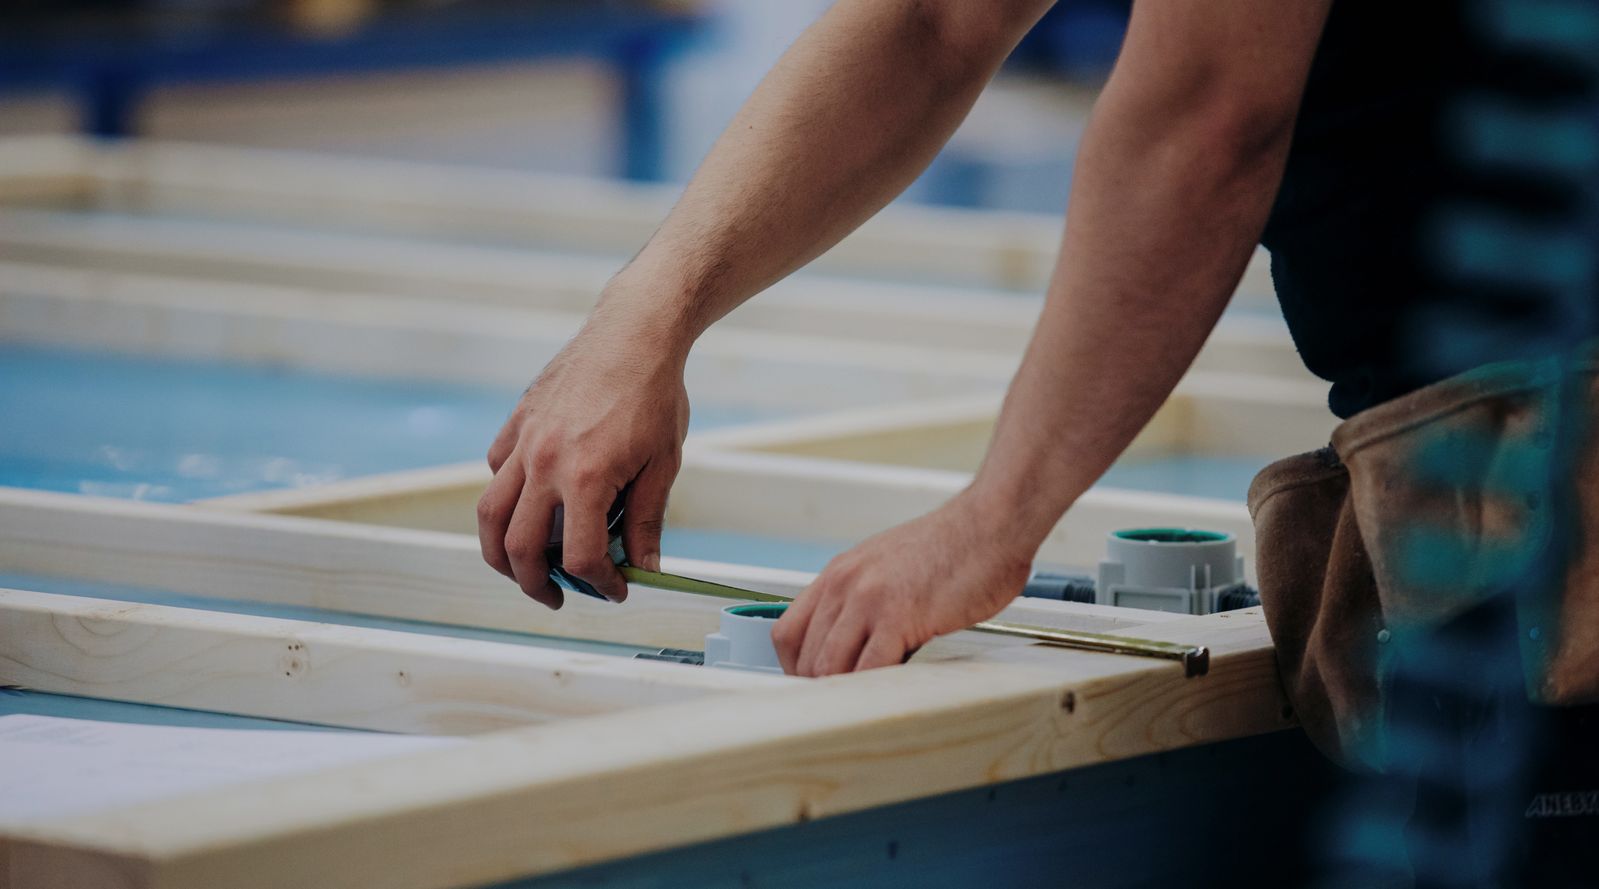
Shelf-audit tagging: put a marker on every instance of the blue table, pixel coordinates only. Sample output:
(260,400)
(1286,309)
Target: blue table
(175,430)
(112,63)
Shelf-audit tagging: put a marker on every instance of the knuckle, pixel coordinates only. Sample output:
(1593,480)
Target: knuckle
(520,547)
(672,460)
(840,571)
(488,510)
(543,459)
(588,474)
(582,564)
(650,527)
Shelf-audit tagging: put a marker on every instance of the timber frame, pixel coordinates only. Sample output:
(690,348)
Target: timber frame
(686,756)
(570,757)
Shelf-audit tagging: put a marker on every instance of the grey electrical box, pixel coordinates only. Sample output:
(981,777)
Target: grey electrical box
(1168,569)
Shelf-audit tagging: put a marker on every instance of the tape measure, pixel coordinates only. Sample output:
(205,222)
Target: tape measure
(1194,658)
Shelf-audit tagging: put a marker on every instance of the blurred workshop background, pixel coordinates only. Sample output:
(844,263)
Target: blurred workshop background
(627,87)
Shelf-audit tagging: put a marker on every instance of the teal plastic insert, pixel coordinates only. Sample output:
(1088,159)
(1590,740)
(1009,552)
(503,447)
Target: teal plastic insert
(769,610)
(1171,535)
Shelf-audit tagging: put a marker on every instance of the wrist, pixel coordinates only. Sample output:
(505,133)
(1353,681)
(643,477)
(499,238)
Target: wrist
(1007,521)
(648,324)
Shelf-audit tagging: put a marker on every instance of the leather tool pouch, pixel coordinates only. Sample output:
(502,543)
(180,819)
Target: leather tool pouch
(1422,508)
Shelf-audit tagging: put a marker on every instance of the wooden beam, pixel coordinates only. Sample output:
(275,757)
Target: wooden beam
(385,572)
(1209,413)
(774,495)
(435,339)
(47,171)
(344,264)
(531,801)
(730,490)
(951,246)
(713,493)
(355,677)
(434,498)
(388,572)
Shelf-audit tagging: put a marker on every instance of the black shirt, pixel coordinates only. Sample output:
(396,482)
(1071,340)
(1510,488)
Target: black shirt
(1405,200)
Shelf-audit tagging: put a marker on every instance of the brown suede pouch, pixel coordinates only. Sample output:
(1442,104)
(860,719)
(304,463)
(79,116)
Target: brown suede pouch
(1433,502)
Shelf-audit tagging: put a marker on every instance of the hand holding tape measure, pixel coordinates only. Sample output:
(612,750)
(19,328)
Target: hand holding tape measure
(1195,659)
(633,574)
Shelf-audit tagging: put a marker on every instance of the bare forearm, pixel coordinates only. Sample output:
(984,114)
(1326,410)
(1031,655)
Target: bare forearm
(1129,307)
(852,113)
(1174,182)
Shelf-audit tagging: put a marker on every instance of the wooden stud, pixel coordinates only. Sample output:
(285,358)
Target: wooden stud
(298,670)
(775,495)
(387,572)
(338,265)
(1209,413)
(432,339)
(531,801)
(952,246)
(47,171)
(384,572)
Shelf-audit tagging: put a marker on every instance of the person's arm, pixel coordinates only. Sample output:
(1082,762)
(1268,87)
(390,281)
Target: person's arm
(846,120)
(1174,180)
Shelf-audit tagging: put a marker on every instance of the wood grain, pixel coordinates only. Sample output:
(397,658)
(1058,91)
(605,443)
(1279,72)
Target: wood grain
(793,498)
(343,264)
(385,572)
(48,170)
(530,801)
(964,247)
(414,338)
(330,674)
(413,575)
(1208,414)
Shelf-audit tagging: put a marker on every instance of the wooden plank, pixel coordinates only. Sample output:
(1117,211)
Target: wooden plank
(47,171)
(719,492)
(442,498)
(740,489)
(1209,413)
(946,433)
(531,801)
(433,339)
(384,572)
(338,264)
(779,496)
(953,246)
(775,495)
(388,572)
(434,498)
(354,677)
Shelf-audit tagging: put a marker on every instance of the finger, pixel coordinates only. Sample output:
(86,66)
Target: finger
(821,624)
(494,510)
(586,544)
(789,632)
(646,513)
(526,539)
(505,442)
(881,650)
(842,647)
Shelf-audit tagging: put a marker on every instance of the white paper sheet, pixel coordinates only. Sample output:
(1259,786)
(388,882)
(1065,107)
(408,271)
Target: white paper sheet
(52,767)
